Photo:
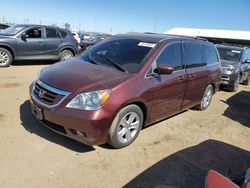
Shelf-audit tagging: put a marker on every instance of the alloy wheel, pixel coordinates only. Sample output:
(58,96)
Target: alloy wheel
(128,127)
(4,58)
(207,97)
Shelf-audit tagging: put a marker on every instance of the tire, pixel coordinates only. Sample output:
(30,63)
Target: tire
(126,126)
(5,58)
(247,81)
(235,85)
(206,99)
(65,54)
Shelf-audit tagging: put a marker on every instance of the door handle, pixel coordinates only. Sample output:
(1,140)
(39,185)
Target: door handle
(181,78)
(190,76)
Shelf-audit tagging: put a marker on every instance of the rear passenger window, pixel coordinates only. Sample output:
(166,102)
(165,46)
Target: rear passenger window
(210,54)
(171,55)
(62,33)
(193,55)
(51,33)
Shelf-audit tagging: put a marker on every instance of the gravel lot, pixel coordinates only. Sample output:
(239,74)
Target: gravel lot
(176,152)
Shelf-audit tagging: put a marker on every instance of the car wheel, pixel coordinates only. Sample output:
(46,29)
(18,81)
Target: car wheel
(65,54)
(206,99)
(126,126)
(236,84)
(247,81)
(5,58)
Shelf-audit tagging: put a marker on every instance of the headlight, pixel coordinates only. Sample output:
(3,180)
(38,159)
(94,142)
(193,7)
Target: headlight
(92,100)
(230,67)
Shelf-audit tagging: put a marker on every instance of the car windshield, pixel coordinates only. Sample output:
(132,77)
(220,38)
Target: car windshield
(230,54)
(13,30)
(123,54)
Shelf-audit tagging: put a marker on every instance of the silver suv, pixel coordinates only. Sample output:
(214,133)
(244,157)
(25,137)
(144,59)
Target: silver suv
(235,62)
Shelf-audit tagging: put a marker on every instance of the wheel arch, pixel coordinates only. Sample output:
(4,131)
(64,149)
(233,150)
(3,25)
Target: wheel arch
(68,48)
(10,49)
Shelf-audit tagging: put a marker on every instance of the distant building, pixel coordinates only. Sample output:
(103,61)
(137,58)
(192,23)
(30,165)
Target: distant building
(217,36)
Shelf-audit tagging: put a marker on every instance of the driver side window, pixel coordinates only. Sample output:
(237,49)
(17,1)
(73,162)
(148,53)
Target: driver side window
(34,33)
(171,56)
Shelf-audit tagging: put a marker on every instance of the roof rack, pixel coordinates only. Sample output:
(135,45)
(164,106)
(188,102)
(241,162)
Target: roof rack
(191,37)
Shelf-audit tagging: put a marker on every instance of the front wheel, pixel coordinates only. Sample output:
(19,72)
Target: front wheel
(5,58)
(235,85)
(65,54)
(206,99)
(247,81)
(126,126)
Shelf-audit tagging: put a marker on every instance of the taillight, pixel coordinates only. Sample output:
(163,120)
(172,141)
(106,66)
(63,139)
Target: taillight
(74,40)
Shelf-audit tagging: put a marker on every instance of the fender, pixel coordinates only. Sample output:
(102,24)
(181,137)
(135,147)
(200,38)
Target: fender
(67,47)
(6,45)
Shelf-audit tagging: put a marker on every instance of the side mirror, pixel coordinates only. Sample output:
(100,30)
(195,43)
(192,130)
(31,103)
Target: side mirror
(164,69)
(247,61)
(24,36)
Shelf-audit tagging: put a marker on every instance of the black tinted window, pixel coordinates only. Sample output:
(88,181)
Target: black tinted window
(210,54)
(247,55)
(193,55)
(230,54)
(51,33)
(62,33)
(171,55)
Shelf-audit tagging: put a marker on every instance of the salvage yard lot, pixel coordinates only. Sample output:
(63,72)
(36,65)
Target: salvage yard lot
(175,152)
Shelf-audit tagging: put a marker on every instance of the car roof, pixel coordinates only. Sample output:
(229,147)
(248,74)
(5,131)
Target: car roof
(36,25)
(155,37)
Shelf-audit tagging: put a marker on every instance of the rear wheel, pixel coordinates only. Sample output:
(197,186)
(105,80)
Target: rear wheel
(5,58)
(206,99)
(126,126)
(235,85)
(247,81)
(65,54)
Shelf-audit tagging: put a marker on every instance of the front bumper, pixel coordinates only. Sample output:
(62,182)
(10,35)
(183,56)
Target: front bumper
(88,127)
(228,79)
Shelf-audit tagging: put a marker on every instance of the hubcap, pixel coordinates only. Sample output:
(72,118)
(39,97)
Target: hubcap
(207,98)
(66,55)
(128,127)
(4,58)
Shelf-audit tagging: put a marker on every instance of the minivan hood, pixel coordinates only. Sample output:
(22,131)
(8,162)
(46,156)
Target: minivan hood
(76,75)
(227,62)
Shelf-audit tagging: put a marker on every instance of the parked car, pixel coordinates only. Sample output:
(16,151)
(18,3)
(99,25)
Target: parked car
(216,180)
(4,26)
(84,44)
(23,42)
(235,63)
(112,90)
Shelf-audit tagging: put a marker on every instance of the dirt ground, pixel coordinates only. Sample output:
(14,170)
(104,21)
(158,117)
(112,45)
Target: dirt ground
(176,152)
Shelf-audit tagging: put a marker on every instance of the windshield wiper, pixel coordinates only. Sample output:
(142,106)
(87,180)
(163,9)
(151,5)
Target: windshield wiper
(113,63)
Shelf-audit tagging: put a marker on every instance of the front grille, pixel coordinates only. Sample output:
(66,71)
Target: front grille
(47,95)
(55,127)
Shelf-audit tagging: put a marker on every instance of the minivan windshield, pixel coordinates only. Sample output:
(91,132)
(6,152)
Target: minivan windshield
(230,54)
(13,30)
(124,54)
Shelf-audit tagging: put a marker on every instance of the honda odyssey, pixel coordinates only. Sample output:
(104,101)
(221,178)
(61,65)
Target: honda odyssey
(129,81)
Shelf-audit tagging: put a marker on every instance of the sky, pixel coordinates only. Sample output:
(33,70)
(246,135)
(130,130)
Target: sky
(121,16)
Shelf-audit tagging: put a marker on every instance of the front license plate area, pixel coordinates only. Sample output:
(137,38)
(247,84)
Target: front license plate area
(38,112)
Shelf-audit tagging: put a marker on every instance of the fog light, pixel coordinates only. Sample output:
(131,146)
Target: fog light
(78,133)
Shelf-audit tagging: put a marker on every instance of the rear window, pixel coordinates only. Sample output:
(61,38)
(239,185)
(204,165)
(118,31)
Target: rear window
(210,54)
(62,33)
(193,55)
(51,33)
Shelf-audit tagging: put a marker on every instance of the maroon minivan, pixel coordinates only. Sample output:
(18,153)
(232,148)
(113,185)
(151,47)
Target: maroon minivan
(112,90)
